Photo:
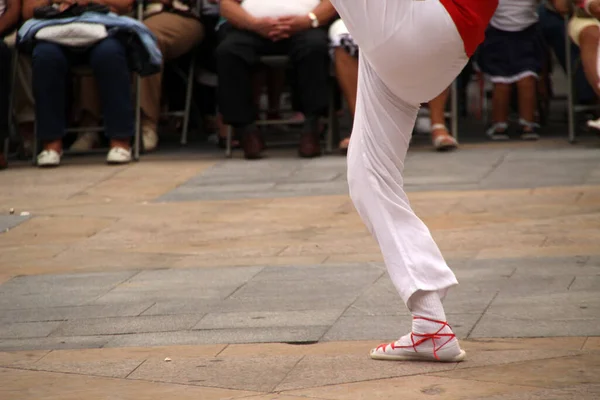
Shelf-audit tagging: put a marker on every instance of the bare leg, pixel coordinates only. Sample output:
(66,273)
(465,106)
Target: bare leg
(526,88)
(440,136)
(589,40)
(346,69)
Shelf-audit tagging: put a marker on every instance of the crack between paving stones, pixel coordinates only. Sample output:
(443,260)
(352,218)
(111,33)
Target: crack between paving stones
(222,350)
(113,287)
(243,284)
(140,314)
(482,314)
(120,378)
(584,343)
(571,283)
(350,305)
(495,382)
(508,363)
(135,369)
(288,374)
(98,182)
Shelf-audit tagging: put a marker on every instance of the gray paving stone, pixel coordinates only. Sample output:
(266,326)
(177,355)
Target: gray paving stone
(184,306)
(359,273)
(197,337)
(8,222)
(57,290)
(124,325)
(68,313)
(54,343)
(558,314)
(21,330)
(387,328)
(269,319)
(586,283)
(579,392)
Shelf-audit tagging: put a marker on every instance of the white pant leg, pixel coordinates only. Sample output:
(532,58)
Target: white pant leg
(387,105)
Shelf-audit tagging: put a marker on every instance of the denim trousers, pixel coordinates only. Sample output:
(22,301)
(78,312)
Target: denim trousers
(51,64)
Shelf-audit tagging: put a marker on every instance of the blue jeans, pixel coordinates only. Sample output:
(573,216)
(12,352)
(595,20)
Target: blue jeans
(553,30)
(108,60)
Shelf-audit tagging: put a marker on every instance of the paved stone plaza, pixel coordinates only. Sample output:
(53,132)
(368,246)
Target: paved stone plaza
(189,276)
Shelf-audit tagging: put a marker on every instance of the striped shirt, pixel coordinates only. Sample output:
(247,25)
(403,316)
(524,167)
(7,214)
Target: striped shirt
(515,15)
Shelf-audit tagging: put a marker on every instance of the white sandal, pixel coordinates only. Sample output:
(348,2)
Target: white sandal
(431,349)
(443,142)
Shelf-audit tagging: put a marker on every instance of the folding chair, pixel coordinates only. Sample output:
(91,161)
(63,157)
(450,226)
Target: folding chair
(572,107)
(85,71)
(282,62)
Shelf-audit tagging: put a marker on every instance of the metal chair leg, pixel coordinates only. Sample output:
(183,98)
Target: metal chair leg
(188,100)
(138,117)
(229,139)
(570,95)
(454,108)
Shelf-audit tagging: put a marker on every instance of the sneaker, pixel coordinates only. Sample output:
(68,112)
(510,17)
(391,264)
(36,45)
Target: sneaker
(85,141)
(118,155)
(48,158)
(531,133)
(594,123)
(438,346)
(498,131)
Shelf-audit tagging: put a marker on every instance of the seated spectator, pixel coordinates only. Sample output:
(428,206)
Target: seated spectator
(345,55)
(512,54)
(10,11)
(267,27)
(584,30)
(178,29)
(552,25)
(108,59)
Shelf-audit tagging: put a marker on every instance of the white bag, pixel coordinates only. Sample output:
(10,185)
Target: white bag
(74,34)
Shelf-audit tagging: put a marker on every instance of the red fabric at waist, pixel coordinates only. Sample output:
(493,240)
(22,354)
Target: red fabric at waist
(471,18)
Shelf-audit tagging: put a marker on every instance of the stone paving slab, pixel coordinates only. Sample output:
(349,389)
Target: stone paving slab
(511,298)
(498,369)
(468,169)
(7,222)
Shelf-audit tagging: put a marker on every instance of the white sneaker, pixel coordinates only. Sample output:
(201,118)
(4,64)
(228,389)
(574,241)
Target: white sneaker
(118,155)
(594,123)
(149,137)
(438,346)
(48,158)
(85,141)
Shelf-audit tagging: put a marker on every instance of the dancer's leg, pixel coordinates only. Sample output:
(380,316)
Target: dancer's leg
(425,49)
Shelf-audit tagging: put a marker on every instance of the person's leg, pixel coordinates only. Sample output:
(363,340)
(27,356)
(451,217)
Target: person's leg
(527,92)
(391,86)
(176,36)
(50,67)
(5,62)
(309,53)
(108,60)
(346,71)
(589,39)
(237,55)
(440,136)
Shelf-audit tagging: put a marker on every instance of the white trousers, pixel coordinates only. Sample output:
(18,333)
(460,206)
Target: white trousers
(410,51)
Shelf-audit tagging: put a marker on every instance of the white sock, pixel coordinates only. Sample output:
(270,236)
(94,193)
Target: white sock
(428,305)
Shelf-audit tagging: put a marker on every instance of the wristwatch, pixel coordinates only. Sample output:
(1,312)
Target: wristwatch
(314,21)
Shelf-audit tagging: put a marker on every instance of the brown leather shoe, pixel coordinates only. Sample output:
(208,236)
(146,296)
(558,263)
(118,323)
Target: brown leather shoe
(252,145)
(310,145)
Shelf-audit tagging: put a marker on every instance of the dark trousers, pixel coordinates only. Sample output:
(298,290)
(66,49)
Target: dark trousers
(5,76)
(108,61)
(553,30)
(239,53)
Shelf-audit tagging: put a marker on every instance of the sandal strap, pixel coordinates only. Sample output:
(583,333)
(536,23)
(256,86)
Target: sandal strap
(424,337)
